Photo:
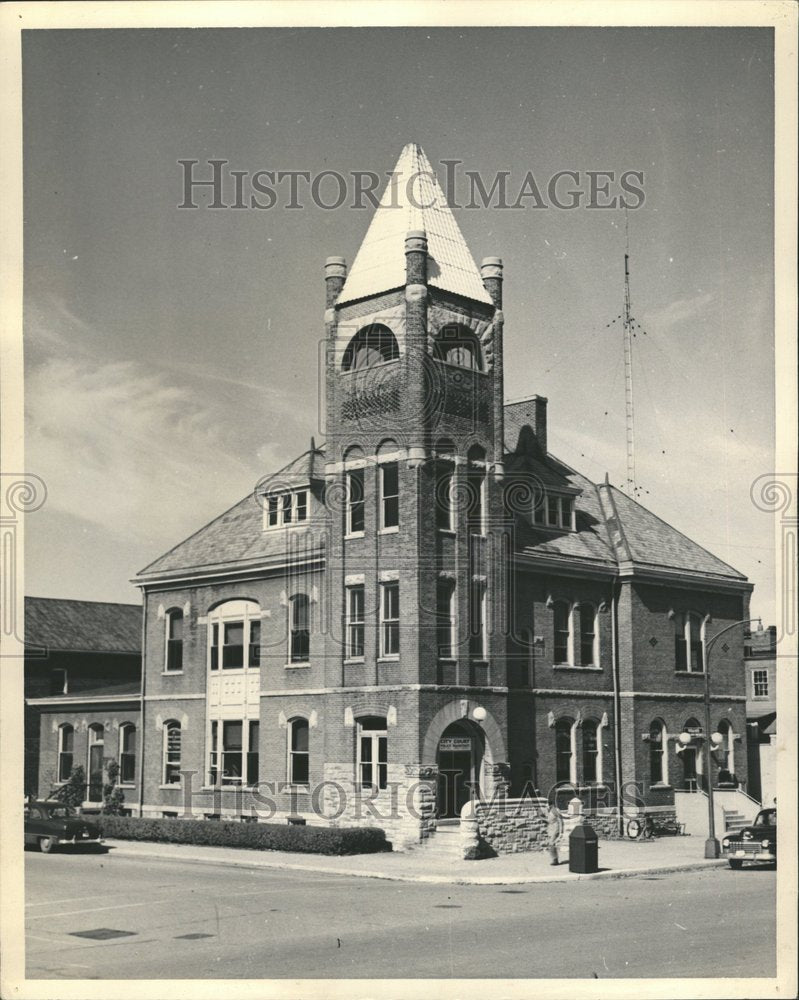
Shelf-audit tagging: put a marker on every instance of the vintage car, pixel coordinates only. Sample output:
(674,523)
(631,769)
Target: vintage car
(757,842)
(50,823)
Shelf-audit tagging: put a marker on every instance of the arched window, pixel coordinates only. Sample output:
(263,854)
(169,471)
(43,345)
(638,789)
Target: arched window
(174,640)
(234,636)
(371,345)
(300,632)
(688,643)
(561,615)
(459,346)
(591,770)
(586,619)
(66,749)
(127,753)
(298,752)
(388,481)
(658,761)
(476,483)
(171,752)
(564,751)
(95,761)
(373,752)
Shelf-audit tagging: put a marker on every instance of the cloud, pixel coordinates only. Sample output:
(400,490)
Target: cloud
(133,451)
(679,311)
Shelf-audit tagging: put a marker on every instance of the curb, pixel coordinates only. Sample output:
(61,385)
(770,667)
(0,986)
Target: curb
(119,848)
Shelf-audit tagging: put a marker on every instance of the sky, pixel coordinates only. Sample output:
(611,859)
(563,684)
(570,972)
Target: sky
(171,355)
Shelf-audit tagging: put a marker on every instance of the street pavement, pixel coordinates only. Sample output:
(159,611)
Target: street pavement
(152,918)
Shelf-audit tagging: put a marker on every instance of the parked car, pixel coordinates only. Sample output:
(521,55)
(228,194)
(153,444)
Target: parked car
(757,842)
(48,824)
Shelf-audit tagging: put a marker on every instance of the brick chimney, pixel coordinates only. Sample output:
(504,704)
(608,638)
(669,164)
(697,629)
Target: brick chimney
(531,412)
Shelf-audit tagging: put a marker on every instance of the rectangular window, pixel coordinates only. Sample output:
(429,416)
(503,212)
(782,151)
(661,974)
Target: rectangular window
(215,647)
(373,753)
(252,753)
(587,635)
(477,621)
(760,683)
(355,502)
(566,512)
(561,628)
(233,649)
(172,754)
(127,753)
(354,623)
(213,762)
(300,637)
(254,658)
(697,663)
(174,641)
(553,511)
(389,495)
(540,508)
(66,745)
(232,751)
(445,513)
(389,619)
(286,508)
(476,494)
(445,602)
(590,752)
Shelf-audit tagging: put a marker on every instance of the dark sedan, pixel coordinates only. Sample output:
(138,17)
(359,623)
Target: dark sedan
(49,824)
(757,842)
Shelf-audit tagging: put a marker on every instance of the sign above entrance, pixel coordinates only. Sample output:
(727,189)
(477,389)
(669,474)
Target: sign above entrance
(455,743)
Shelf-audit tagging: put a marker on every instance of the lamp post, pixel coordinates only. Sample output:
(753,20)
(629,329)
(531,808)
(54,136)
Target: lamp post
(712,849)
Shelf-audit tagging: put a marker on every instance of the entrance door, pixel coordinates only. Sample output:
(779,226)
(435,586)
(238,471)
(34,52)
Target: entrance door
(455,773)
(689,769)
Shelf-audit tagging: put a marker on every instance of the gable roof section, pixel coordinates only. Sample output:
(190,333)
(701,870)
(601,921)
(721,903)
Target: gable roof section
(412,200)
(238,534)
(90,626)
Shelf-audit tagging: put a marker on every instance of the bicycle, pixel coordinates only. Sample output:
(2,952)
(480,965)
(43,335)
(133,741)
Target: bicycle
(648,828)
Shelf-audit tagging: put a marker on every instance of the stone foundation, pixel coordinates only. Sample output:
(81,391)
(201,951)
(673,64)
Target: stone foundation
(508,826)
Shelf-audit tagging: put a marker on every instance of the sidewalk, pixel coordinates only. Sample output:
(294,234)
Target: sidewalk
(617,859)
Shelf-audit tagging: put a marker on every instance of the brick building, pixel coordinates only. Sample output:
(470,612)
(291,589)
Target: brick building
(82,689)
(760,654)
(432,601)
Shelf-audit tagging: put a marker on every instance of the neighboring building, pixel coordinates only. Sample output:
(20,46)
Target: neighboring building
(433,599)
(760,652)
(82,691)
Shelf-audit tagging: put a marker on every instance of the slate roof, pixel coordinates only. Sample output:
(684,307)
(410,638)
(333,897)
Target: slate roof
(96,626)
(237,535)
(413,200)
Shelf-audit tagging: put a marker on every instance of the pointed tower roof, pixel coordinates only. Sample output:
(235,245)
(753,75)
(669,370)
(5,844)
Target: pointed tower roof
(413,200)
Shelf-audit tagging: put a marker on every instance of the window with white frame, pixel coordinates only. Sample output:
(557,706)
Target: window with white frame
(591,754)
(66,751)
(234,636)
(298,752)
(445,619)
(553,511)
(688,643)
(355,502)
(127,753)
(233,752)
(285,508)
(171,753)
(300,631)
(476,492)
(389,618)
(478,611)
(760,683)
(576,634)
(354,625)
(445,497)
(389,495)
(174,641)
(372,764)
(561,614)
(586,619)
(564,751)
(658,761)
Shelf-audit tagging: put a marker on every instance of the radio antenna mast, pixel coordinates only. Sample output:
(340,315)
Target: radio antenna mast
(627,323)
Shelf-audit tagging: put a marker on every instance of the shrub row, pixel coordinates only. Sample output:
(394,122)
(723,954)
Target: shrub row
(257,836)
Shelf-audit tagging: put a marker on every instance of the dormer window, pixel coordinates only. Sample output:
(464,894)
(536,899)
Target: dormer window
(554,511)
(458,346)
(285,508)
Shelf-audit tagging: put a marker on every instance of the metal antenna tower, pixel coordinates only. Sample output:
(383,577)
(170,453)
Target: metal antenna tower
(627,323)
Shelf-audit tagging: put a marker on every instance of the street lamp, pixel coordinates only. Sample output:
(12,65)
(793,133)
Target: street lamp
(712,849)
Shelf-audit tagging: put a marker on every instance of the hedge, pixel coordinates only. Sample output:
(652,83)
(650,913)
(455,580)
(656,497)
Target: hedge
(256,836)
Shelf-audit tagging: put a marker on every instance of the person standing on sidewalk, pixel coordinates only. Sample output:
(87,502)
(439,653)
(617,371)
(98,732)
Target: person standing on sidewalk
(554,832)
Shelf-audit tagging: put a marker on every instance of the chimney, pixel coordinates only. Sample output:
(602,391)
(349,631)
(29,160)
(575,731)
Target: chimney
(335,276)
(531,412)
(491,273)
